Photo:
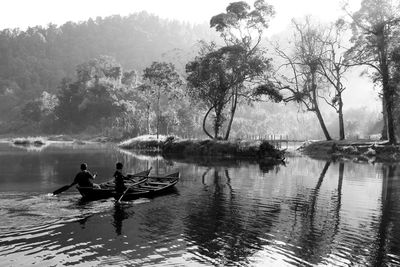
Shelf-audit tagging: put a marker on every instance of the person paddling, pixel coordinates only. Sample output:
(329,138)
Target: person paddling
(84,178)
(119,178)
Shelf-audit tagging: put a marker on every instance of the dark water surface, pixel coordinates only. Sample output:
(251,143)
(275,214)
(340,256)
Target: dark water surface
(306,213)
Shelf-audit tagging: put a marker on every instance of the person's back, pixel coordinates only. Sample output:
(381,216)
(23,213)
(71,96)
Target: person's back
(84,177)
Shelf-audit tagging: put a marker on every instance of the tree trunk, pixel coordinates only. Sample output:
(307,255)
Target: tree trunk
(233,111)
(384,135)
(339,90)
(341,120)
(316,107)
(322,123)
(218,119)
(216,124)
(148,119)
(388,98)
(388,92)
(204,123)
(158,110)
(390,120)
(341,127)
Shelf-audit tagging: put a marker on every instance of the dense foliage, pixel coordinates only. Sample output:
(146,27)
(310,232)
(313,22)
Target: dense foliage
(222,76)
(375,35)
(36,60)
(125,76)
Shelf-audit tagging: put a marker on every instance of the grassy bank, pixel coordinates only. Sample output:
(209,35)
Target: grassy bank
(29,141)
(172,146)
(362,151)
(24,140)
(144,142)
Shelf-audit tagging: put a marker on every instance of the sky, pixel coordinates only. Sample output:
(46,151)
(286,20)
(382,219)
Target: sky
(24,13)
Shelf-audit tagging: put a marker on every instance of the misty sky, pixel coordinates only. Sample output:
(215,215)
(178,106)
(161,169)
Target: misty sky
(24,13)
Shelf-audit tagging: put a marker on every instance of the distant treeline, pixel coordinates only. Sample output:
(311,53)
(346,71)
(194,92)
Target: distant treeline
(37,59)
(139,74)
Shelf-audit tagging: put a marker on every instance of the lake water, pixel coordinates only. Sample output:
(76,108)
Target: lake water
(227,213)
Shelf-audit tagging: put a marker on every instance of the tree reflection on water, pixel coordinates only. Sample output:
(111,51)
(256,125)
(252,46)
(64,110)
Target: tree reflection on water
(223,229)
(387,243)
(227,212)
(319,221)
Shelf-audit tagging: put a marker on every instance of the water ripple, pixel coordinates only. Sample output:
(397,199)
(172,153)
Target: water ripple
(309,213)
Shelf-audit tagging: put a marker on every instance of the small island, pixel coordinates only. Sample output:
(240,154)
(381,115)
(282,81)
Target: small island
(29,141)
(176,147)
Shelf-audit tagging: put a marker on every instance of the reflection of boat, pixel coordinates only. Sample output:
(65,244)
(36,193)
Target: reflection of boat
(107,189)
(154,185)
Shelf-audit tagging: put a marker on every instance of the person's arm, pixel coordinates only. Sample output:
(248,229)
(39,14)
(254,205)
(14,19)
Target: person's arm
(115,175)
(75,180)
(92,176)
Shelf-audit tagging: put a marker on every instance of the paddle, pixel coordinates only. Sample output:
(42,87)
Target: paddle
(66,187)
(62,189)
(126,190)
(123,194)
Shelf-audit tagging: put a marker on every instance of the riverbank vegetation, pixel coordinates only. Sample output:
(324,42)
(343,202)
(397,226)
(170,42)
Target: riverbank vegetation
(360,151)
(145,142)
(144,75)
(171,146)
(27,141)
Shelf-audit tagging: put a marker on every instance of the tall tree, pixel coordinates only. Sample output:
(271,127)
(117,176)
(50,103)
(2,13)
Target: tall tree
(243,27)
(96,95)
(163,79)
(333,68)
(301,74)
(375,33)
(240,61)
(208,81)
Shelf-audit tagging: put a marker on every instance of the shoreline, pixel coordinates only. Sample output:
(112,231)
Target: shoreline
(363,151)
(357,151)
(31,139)
(172,147)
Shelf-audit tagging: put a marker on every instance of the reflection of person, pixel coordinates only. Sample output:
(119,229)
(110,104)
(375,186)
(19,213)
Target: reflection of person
(119,178)
(119,215)
(84,178)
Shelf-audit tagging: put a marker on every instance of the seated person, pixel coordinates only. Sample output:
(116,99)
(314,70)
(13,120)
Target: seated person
(84,178)
(119,178)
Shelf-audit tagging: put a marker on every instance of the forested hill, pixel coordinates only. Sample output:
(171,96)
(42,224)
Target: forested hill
(37,59)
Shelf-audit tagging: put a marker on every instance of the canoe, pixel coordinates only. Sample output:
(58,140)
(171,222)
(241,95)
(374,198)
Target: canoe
(107,189)
(153,186)
(133,178)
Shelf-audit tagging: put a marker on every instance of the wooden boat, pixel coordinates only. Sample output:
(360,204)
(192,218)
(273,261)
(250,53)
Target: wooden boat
(107,189)
(154,185)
